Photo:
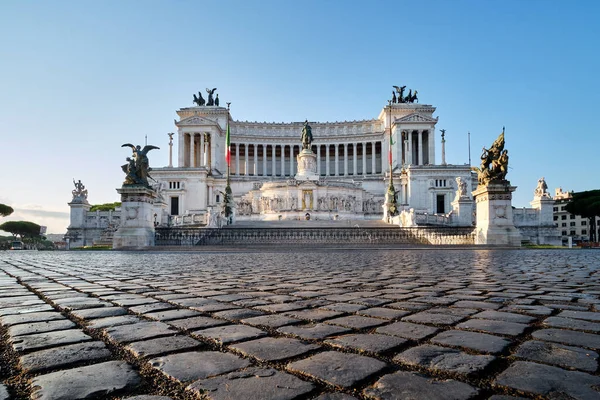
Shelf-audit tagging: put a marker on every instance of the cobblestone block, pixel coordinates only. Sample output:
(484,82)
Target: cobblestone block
(63,356)
(107,322)
(557,354)
(552,382)
(433,318)
(273,349)
(253,383)
(196,323)
(102,312)
(569,323)
(39,327)
(163,345)
(187,367)
(238,314)
(408,385)
(356,322)
(152,307)
(313,314)
(339,369)
(444,359)
(313,331)
(335,396)
(409,305)
(83,382)
(382,312)
(48,339)
(371,343)
(10,320)
(528,309)
(477,304)
(491,326)
(407,330)
(230,333)
(504,316)
(482,342)
(167,315)
(271,320)
(568,337)
(344,307)
(588,316)
(22,309)
(139,331)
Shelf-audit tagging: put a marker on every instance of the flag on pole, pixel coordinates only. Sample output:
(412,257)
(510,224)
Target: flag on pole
(228,145)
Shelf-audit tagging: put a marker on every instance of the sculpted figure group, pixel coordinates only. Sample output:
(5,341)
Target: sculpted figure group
(80,192)
(494,162)
(137,167)
(199,100)
(410,98)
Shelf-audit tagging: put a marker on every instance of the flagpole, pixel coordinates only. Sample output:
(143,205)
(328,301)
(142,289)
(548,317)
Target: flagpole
(392,209)
(228,192)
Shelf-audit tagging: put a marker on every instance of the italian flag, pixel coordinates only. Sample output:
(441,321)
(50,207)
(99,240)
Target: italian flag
(228,146)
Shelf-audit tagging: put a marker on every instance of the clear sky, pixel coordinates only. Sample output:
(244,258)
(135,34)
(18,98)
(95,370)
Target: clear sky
(80,78)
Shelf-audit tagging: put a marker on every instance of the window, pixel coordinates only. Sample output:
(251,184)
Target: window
(583,223)
(174,185)
(584,231)
(564,233)
(555,209)
(572,233)
(556,217)
(572,224)
(440,200)
(564,225)
(563,217)
(572,216)
(562,208)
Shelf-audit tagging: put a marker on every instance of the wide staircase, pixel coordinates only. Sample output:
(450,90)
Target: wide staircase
(302,233)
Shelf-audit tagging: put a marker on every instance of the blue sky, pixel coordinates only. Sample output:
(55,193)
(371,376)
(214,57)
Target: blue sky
(78,79)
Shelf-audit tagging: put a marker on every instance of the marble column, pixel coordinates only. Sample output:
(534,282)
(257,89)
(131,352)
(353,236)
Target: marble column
(237,158)
(283,160)
(327,159)
(345,159)
(337,159)
(273,162)
(363,147)
(354,160)
(201,159)
(409,160)
(181,150)
(246,159)
(384,160)
(319,159)
(192,150)
(420,147)
(373,169)
(255,169)
(292,160)
(264,171)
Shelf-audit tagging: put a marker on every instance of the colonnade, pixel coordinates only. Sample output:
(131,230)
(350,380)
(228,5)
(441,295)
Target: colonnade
(414,144)
(196,150)
(341,159)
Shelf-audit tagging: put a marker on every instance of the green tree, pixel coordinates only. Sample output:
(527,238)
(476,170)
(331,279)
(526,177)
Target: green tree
(105,206)
(23,229)
(587,205)
(5,210)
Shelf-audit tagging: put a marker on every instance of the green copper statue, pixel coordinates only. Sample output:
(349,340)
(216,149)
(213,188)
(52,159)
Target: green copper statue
(137,166)
(307,136)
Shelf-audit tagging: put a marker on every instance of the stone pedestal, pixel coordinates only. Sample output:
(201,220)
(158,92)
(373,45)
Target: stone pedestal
(462,211)
(495,224)
(307,166)
(137,218)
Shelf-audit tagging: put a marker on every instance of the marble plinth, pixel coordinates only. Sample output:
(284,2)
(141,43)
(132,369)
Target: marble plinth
(137,225)
(307,166)
(495,224)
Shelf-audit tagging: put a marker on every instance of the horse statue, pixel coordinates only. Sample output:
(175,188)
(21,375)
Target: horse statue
(211,101)
(199,100)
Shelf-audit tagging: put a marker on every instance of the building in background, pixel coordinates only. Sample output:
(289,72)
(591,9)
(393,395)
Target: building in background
(570,226)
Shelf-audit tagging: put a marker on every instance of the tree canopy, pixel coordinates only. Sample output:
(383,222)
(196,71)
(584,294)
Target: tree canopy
(24,229)
(105,206)
(5,210)
(587,205)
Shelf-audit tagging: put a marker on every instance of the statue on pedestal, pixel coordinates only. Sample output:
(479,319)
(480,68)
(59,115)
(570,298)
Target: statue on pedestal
(211,101)
(80,193)
(137,167)
(199,100)
(542,188)
(494,162)
(461,192)
(307,136)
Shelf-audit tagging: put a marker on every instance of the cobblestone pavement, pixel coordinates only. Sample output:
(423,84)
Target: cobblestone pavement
(333,324)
